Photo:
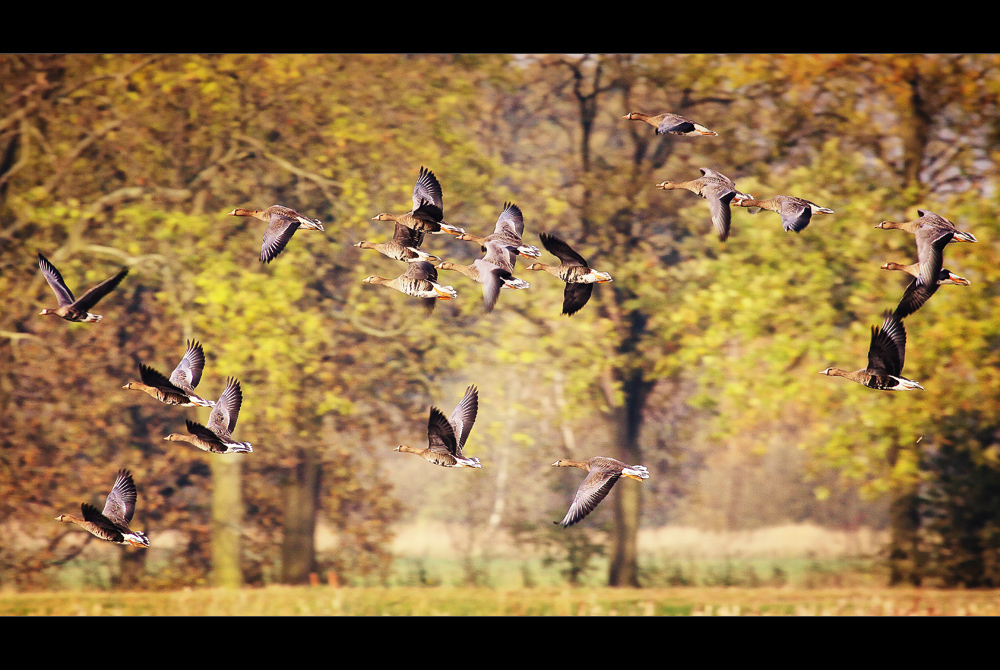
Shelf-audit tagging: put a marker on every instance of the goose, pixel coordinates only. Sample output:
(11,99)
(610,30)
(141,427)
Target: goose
(446,437)
(928,272)
(508,231)
(419,281)
(70,308)
(603,472)
(491,276)
(112,523)
(719,190)
(795,212)
(179,389)
(427,215)
(885,359)
(282,222)
(929,219)
(216,437)
(404,246)
(674,124)
(572,269)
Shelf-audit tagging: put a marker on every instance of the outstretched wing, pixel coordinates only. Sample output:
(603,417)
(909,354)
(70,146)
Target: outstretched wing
(464,416)
(592,491)
(187,374)
(575,296)
(427,196)
(888,346)
(277,234)
(94,295)
(222,420)
(121,501)
(441,434)
(561,250)
(55,280)
(511,219)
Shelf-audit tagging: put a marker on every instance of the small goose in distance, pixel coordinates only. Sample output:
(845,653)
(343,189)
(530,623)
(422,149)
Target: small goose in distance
(673,124)
(602,473)
(70,308)
(420,281)
(928,272)
(572,269)
(404,246)
(886,354)
(719,190)
(795,212)
(282,222)
(928,219)
(508,231)
(179,388)
(217,436)
(446,437)
(112,523)
(427,215)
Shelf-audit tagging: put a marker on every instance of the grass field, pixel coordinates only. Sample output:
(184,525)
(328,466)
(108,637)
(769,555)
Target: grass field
(325,600)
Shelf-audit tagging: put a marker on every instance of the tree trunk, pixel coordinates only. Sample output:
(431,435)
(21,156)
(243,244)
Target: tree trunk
(227,520)
(904,560)
(301,496)
(624,569)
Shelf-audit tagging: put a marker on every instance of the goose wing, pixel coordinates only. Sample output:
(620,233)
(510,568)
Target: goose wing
(441,434)
(94,295)
(187,374)
(222,420)
(674,123)
(279,231)
(407,237)
(427,196)
(561,250)
(592,491)
(931,242)
(795,213)
(120,504)
(575,296)
(56,282)
(510,219)
(888,346)
(100,525)
(155,378)
(464,416)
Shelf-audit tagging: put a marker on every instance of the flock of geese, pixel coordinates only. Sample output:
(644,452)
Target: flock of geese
(447,437)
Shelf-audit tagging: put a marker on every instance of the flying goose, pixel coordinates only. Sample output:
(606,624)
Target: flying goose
(795,212)
(282,222)
(179,388)
(446,437)
(603,472)
(885,359)
(508,231)
(70,308)
(112,523)
(572,269)
(217,437)
(427,215)
(928,272)
(719,190)
(419,281)
(674,124)
(929,219)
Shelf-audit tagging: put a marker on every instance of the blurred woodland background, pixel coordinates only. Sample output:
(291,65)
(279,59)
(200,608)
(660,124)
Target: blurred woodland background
(699,361)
